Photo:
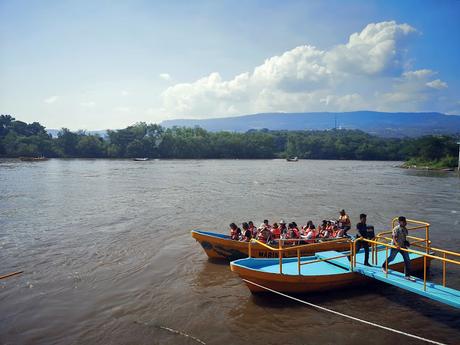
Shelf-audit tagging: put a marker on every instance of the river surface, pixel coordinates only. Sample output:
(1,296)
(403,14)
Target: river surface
(108,258)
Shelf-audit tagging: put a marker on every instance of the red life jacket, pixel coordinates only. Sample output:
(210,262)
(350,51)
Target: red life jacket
(262,238)
(296,232)
(276,232)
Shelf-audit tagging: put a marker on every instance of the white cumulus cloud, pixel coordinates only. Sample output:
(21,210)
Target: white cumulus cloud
(378,49)
(437,84)
(366,72)
(413,91)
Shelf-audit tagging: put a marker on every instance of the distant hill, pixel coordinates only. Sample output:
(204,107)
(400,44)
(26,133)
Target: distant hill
(378,123)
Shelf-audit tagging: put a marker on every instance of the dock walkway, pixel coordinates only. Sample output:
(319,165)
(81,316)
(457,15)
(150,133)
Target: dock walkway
(433,291)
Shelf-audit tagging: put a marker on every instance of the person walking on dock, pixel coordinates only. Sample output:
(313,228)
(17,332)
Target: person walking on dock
(399,235)
(364,231)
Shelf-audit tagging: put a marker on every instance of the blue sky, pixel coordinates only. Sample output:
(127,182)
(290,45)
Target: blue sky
(109,64)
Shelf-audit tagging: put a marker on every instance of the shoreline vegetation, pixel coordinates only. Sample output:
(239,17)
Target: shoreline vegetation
(444,164)
(20,139)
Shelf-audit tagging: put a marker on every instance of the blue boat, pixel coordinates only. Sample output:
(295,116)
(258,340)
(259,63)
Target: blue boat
(333,270)
(319,272)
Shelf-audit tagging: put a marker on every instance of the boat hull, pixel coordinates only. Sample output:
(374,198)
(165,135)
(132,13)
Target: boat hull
(219,246)
(300,284)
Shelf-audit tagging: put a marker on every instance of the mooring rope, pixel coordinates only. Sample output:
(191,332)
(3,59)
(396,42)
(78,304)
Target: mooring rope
(345,315)
(183,334)
(175,331)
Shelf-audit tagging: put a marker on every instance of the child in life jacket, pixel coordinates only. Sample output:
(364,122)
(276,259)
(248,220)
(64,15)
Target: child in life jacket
(276,231)
(247,234)
(252,228)
(322,230)
(235,232)
(310,232)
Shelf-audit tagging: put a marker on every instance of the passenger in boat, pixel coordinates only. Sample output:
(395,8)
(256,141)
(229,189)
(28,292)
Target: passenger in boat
(283,229)
(308,226)
(337,232)
(364,231)
(310,231)
(293,230)
(247,234)
(293,233)
(330,227)
(323,230)
(276,231)
(344,221)
(252,228)
(264,236)
(267,225)
(235,232)
(399,235)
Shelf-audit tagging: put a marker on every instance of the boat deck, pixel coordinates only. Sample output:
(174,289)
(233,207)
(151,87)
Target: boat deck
(433,291)
(334,266)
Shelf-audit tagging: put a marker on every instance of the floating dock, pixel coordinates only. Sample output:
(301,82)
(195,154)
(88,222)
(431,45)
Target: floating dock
(430,290)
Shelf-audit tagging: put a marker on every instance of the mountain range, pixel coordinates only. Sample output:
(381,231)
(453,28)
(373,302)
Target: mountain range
(377,123)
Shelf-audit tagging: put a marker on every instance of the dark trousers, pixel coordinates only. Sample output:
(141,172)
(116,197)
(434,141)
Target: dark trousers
(405,256)
(365,245)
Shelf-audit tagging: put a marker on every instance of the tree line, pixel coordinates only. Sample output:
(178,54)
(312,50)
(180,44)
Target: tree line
(18,138)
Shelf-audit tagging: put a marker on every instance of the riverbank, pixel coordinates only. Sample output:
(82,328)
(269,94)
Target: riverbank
(448,163)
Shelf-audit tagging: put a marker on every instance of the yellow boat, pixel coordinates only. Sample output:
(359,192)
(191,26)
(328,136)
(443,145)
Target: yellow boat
(220,246)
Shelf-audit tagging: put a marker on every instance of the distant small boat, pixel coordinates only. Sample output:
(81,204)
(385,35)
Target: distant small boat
(33,159)
(141,159)
(294,159)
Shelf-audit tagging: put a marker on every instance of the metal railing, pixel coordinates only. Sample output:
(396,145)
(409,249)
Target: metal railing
(298,249)
(422,254)
(380,242)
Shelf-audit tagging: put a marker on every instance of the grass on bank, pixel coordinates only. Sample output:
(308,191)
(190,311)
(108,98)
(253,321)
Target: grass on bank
(446,162)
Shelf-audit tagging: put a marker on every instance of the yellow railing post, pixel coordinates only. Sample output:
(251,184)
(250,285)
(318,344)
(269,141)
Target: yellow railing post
(427,238)
(280,256)
(386,262)
(354,253)
(424,273)
(298,260)
(376,252)
(351,257)
(444,270)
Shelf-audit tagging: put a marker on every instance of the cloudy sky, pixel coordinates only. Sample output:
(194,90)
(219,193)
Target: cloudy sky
(108,64)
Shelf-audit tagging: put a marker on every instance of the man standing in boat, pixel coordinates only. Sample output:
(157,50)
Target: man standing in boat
(344,222)
(399,236)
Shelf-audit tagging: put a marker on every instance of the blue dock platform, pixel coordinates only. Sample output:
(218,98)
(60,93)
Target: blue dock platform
(433,291)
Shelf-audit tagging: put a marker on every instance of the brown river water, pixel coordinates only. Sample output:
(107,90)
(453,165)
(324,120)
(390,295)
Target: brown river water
(108,258)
